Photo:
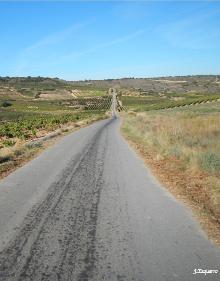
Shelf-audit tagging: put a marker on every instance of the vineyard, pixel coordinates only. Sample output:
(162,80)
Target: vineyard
(23,119)
(28,120)
(147,103)
(27,128)
(89,103)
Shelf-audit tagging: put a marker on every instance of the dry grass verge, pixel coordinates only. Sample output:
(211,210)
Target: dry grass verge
(182,150)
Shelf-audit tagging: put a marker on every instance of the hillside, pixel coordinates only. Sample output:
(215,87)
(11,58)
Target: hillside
(180,84)
(55,88)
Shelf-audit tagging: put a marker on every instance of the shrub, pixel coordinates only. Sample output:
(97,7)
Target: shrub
(8,143)
(6,104)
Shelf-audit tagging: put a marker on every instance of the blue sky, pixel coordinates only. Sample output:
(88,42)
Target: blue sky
(109,39)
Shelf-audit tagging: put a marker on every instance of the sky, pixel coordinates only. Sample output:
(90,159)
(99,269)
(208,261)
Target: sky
(77,40)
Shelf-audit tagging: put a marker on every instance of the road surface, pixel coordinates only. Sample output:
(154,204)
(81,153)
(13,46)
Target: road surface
(88,209)
(114,103)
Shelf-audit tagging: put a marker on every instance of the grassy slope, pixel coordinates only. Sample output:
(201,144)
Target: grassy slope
(182,146)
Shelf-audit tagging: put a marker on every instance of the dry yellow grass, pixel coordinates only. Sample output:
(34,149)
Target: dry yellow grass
(192,139)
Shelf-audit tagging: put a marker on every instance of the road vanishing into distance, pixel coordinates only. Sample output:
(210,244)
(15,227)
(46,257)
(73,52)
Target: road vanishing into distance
(88,209)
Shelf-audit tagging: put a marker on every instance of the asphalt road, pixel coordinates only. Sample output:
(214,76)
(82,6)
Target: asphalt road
(88,209)
(114,103)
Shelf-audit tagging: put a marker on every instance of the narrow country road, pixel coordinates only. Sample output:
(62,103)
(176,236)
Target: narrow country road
(88,209)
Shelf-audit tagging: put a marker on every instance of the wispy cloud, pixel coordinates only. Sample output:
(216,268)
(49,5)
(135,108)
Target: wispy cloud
(25,58)
(190,33)
(95,48)
(56,37)
(25,62)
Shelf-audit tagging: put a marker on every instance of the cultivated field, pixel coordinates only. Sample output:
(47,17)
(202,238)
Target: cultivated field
(162,101)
